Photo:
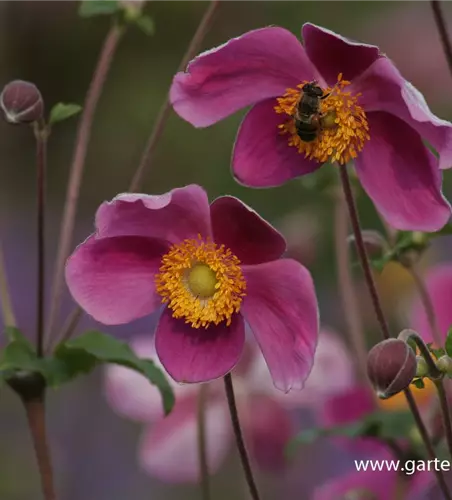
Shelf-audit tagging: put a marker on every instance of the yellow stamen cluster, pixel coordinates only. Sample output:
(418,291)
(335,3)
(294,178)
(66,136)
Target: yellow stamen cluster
(201,282)
(344,128)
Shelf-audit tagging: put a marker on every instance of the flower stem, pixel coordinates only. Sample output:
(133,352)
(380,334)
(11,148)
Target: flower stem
(78,162)
(351,312)
(362,254)
(239,438)
(442,396)
(41,135)
(9,318)
(35,410)
(442,30)
(202,447)
(164,112)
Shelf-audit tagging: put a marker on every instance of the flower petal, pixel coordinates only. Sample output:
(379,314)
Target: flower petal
(383,88)
(262,156)
(333,54)
(112,279)
(401,176)
(257,65)
(131,395)
(439,286)
(281,309)
(174,216)
(169,449)
(347,407)
(192,355)
(378,485)
(250,237)
(267,427)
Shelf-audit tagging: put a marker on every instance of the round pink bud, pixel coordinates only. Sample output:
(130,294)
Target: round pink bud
(21,102)
(391,367)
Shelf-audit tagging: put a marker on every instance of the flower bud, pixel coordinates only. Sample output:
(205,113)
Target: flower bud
(21,102)
(444,364)
(374,242)
(421,367)
(391,366)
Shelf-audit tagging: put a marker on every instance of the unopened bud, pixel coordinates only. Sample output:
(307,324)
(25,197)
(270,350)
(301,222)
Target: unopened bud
(421,367)
(391,366)
(444,364)
(373,241)
(21,102)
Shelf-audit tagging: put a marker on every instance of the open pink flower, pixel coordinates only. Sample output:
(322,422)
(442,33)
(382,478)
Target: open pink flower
(169,445)
(214,267)
(372,115)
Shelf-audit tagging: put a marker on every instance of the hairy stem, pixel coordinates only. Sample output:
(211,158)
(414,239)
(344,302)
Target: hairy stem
(442,30)
(78,163)
(239,438)
(362,254)
(164,112)
(349,303)
(202,444)
(41,135)
(9,318)
(35,410)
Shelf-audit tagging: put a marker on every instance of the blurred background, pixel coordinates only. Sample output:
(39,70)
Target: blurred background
(48,44)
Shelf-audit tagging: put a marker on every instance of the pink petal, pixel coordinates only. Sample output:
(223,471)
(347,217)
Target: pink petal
(401,176)
(131,395)
(251,238)
(439,286)
(281,309)
(262,156)
(257,65)
(193,355)
(112,279)
(169,449)
(381,484)
(333,54)
(268,428)
(383,88)
(174,216)
(347,407)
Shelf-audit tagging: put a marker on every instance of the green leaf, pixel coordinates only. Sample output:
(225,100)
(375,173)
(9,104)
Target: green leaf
(62,111)
(90,8)
(380,424)
(448,344)
(419,383)
(436,352)
(82,354)
(146,24)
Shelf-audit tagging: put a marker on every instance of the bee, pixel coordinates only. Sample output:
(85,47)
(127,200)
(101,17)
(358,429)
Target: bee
(308,118)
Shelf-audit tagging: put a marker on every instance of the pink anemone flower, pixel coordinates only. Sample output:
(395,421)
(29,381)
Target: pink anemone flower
(368,113)
(214,267)
(348,407)
(168,447)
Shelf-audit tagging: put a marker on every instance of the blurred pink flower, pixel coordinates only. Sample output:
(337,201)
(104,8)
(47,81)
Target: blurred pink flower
(378,118)
(438,281)
(215,267)
(168,448)
(346,408)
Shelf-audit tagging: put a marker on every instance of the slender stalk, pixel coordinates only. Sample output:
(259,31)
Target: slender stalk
(361,249)
(442,30)
(69,326)
(164,112)
(239,438)
(202,445)
(78,162)
(442,396)
(349,303)
(427,304)
(362,254)
(41,135)
(35,411)
(5,298)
